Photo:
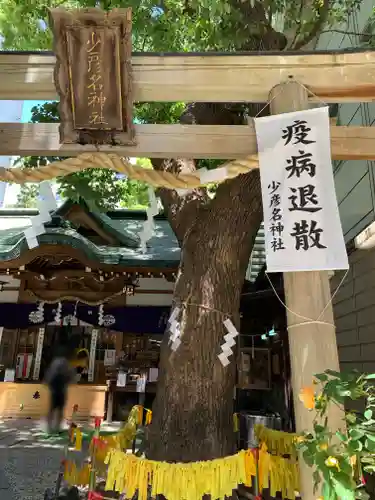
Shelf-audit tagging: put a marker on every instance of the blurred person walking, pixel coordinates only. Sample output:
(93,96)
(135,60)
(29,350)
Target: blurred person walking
(58,377)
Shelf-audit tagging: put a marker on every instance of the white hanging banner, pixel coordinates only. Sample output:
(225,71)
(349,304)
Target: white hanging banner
(141,384)
(121,379)
(3,188)
(109,357)
(38,354)
(301,219)
(94,339)
(10,375)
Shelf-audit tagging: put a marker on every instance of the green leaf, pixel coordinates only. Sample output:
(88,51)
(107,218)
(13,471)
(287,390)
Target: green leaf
(341,436)
(333,373)
(371,376)
(351,418)
(343,486)
(319,429)
(368,414)
(367,423)
(370,445)
(356,433)
(327,491)
(308,458)
(354,446)
(321,376)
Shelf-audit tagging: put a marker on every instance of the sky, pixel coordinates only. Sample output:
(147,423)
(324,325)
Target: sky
(14,111)
(26,109)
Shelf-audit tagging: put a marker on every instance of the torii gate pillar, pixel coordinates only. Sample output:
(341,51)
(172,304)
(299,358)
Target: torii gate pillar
(313,346)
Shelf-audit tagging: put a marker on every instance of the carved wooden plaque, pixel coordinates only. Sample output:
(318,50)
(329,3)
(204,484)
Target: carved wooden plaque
(93,75)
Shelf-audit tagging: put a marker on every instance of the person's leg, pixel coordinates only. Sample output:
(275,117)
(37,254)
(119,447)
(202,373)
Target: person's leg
(51,413)
(60,409)
(59,418)
(50,419)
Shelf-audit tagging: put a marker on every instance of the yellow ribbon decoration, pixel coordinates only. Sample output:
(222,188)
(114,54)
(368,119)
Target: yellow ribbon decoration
(148,416)
(278,442)
(74,476)
(140,414)
(216,478)
(76,438)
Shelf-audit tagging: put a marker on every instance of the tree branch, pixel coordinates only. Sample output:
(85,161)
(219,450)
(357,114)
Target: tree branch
(181,210)
(254,16)
(315,30)
(343,32)
(299,24)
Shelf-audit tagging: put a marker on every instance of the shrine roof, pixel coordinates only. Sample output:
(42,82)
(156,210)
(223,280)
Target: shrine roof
(123,225)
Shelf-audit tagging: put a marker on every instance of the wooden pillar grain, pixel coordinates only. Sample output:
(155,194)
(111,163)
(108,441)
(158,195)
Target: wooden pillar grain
(313,347)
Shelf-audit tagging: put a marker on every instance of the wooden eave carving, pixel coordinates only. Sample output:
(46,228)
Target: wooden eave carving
(80,218)
(93,75)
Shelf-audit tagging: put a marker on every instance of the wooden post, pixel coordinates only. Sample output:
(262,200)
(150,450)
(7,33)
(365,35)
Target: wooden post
(313,347)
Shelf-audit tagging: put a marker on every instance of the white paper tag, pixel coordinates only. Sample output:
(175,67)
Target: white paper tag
(226,349)
(174,314)
(174,336)
(109,357)
(224,360)
(153,209)
(38,354)
(9,375)
(230,327)
(34,231)
(32,242)
(39,220)
(219,174)
(176,344)
(174,331)
(94,338)
(46,193)
(141,384)
(44,215)
(183,192)
(121,379)
(153,374)
(229,340)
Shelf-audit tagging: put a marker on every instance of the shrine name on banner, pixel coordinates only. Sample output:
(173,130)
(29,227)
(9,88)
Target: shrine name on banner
(301,218)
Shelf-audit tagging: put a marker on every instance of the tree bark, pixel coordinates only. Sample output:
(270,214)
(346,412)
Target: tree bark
(194,402)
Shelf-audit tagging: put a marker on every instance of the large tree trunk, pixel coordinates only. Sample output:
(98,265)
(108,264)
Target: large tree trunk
(193,408)
(194,402)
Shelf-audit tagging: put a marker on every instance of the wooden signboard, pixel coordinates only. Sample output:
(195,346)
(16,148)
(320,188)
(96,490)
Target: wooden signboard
(93,75)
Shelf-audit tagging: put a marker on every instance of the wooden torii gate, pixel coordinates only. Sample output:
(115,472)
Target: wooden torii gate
(335,77)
